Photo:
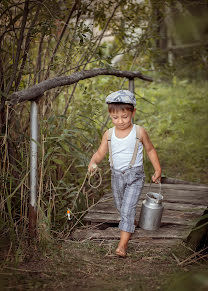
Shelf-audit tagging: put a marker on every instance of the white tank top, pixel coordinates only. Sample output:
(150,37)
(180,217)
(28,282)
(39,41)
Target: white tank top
(123,149)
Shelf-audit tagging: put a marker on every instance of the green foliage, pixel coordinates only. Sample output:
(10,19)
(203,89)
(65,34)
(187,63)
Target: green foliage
(175,115)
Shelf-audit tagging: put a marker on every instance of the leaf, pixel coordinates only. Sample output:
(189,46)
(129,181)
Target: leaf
(58,161)
(65,147)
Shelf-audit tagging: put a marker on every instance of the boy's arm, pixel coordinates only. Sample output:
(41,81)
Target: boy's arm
(100,153)
(152,154)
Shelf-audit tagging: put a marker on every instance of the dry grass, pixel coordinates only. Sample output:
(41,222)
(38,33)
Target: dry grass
(92,265)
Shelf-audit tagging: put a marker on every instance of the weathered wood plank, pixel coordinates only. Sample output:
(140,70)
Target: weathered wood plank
(108,207)
(182,193)
(168,180)
(102,217)
(189,188)
(184,207)
(166,232)
(168,217)
(177,187)
(198,200)
(173,195)
(176,217)
(176,195)
(156,242)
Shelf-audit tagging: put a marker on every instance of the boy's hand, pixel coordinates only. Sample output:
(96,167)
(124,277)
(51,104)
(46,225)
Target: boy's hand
(156,178)
(92,167)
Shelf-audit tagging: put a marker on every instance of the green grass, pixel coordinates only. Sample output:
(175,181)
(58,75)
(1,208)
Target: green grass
(177,122)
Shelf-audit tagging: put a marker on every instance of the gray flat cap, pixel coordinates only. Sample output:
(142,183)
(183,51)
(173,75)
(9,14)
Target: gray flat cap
(122,96)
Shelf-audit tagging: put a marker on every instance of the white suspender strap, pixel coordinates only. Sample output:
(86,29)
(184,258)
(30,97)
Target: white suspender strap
(136,146)
(110,131)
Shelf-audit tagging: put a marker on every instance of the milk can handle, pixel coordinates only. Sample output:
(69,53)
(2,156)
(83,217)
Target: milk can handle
(158,183)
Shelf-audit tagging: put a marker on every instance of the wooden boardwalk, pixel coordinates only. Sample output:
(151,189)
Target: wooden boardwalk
(183,205)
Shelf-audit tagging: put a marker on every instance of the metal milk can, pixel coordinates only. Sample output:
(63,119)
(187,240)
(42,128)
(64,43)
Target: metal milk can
(151,211)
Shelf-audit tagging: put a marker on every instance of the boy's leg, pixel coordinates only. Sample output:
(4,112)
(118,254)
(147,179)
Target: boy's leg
(126,191)
(118,188)
(128,209)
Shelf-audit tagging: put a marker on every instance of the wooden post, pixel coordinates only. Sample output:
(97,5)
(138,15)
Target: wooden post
(33,168)
(131,88)
(131,85)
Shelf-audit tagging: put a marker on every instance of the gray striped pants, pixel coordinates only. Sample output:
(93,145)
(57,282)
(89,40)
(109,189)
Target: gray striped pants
(127,187)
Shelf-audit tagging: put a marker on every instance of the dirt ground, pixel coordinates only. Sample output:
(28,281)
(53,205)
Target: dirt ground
(92,265)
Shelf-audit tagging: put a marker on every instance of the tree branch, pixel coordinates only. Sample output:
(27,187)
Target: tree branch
(39,89)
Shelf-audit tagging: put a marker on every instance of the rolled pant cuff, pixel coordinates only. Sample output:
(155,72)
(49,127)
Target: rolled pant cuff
(127,228)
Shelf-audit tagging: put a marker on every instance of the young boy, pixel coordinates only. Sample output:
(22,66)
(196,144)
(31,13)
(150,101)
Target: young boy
(126,160)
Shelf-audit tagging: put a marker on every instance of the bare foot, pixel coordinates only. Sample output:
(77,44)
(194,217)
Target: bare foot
(123,243)
(121,252)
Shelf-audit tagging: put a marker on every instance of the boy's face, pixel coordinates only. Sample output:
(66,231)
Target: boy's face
(122,119)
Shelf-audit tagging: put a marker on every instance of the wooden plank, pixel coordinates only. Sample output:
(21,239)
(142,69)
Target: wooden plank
(166,232)
(155,242)
(177,187)
(168,217)
(175,196)
(169,180)
(178,192)
(186,189)
(102,217)
(108,207)
(176,217)
(193,197)
(184,207)
(199,200)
